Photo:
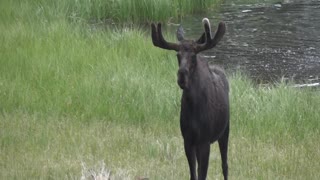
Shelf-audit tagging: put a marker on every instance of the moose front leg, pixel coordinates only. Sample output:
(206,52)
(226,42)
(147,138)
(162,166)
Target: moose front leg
(203,153)
(190,151)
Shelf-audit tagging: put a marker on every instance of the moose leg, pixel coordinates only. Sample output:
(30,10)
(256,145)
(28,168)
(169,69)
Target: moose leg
(191,156)
(223,145)
(203,152)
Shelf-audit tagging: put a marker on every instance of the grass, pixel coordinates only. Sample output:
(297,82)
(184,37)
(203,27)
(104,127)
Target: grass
(68,72)
(139,10)
(263,145)
(108,11)
(77,101)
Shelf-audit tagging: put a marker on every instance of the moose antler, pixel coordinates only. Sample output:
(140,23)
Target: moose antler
(158,39)
(209,42)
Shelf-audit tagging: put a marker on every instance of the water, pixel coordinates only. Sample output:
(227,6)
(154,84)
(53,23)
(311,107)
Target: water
(267,41)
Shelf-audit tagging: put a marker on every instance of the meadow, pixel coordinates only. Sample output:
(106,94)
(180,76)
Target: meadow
(79,100)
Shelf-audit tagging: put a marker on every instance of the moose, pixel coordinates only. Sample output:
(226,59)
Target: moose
(204,115)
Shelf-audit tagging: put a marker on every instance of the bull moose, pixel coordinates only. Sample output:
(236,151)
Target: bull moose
(204,115)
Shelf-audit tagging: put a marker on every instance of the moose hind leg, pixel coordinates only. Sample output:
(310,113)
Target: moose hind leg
(203,153)
(223,145)
(191,156)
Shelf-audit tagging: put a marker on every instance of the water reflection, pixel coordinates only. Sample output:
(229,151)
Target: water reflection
(269,42)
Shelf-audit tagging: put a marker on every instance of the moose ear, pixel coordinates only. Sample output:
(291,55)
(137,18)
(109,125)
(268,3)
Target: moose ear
(180,33)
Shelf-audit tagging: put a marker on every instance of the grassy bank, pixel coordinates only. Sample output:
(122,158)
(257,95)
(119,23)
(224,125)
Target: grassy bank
(274,135)
(75,97)
(35,147)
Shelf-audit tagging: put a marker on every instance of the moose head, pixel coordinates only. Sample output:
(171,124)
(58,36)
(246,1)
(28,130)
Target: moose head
(187,50)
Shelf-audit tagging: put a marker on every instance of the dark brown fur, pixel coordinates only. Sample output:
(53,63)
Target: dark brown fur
(204,116)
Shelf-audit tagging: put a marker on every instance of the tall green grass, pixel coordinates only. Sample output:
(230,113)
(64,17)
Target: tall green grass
(109,11)
(74,97)
(139,10)
(70,71)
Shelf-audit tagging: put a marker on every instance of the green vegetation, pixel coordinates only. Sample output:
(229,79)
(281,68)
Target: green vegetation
(139,10)
(63,70)
(74,96)
(109,11)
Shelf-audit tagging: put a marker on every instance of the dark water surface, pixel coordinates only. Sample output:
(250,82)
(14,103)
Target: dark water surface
(268,41)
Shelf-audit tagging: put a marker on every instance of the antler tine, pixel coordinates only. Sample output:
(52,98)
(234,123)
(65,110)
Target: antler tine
(219,34)
(207,29)
(159,41)
(202,39)
(154,35)
(211,42)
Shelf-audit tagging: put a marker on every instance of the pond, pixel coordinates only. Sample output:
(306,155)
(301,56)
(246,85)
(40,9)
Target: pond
(269,42)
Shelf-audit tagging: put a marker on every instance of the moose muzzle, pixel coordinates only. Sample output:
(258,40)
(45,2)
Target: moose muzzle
(183,78)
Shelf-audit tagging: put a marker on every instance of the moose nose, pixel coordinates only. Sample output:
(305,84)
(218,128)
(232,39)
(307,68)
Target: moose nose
(182,72)
(183,78)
